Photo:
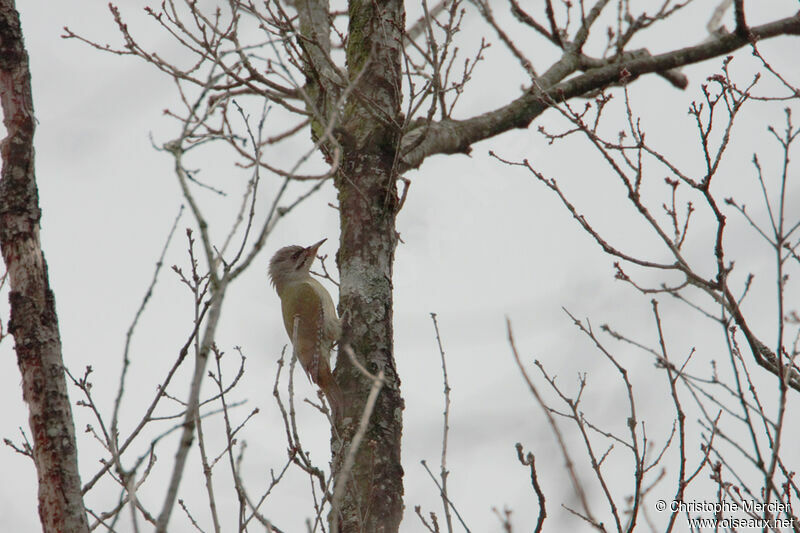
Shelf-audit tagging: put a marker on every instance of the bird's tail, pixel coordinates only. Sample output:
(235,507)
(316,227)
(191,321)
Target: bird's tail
(327,383)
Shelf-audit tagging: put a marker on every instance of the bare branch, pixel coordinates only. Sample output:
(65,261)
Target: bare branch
(457,136)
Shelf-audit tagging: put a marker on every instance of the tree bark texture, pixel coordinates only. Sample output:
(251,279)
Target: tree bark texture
(369,136)
(33,322)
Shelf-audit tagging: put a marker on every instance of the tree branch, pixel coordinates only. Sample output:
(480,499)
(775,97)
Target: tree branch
(457,136)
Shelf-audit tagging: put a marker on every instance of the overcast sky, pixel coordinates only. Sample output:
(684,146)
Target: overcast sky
(481,242)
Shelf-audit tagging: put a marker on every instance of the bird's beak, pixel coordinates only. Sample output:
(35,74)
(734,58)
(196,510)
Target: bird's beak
(312,250)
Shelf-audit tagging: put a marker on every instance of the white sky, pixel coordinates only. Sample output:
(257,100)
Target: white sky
(481,242)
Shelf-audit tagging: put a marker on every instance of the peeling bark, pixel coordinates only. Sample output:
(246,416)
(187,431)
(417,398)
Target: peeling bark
(33,322)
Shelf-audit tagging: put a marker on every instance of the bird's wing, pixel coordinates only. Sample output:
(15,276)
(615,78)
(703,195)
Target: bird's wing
(305,303)
(333,328)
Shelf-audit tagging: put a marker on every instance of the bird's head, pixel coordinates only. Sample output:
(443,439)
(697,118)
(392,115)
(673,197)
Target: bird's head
(292,263)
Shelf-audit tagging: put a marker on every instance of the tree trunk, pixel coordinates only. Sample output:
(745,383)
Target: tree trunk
(369,137)
(33,322)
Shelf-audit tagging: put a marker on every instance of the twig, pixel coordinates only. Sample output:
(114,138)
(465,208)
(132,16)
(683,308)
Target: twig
(443,473)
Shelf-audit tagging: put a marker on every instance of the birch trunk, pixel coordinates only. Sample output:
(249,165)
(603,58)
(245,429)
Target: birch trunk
(33,322)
